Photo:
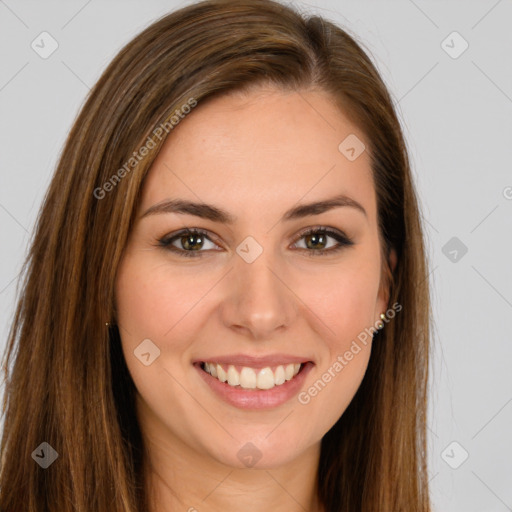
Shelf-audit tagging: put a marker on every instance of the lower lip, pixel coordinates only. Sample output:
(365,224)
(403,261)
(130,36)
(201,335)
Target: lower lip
(256,398)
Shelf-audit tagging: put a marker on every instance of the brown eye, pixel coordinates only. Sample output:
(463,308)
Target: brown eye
(317,241)
(189,242)
(192,241)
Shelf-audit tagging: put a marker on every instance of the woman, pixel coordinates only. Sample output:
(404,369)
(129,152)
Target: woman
(176,346)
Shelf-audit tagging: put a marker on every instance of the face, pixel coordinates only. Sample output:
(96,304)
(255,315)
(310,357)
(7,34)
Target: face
(256,283)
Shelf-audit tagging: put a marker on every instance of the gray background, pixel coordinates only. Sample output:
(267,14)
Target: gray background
(457,118)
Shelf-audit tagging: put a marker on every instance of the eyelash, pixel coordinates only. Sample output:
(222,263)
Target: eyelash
(343,241)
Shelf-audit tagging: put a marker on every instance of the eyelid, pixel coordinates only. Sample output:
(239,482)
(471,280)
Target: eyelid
(341,238)
(322,229)
(165,241)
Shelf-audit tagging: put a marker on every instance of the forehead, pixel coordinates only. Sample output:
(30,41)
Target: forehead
(262,149)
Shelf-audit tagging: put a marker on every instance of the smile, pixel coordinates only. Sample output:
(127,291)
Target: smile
(252,378)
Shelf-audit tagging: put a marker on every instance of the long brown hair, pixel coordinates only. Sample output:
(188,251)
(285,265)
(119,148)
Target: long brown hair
(66,381)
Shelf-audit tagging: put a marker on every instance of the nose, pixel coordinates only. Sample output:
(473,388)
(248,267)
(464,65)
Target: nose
(259,301)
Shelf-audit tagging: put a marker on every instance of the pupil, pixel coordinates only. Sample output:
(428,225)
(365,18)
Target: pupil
(315,239)
(188,241)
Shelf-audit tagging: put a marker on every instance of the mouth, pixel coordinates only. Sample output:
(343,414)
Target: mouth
(254,382)
(250,378)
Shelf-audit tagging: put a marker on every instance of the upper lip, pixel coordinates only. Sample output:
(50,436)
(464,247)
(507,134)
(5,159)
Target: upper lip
(255,361)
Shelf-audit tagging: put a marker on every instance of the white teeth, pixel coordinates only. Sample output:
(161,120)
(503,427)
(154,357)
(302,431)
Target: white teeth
(265,379)
(279,376)
(250,378)
(221,374)
(233,376)
(288,371)
(213,370)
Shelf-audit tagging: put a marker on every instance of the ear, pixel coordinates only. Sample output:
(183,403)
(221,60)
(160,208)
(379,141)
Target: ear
(385,284)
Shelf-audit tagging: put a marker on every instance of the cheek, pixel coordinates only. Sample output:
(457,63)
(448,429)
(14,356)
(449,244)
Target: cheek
(344,361)
(151,301)
(344,298)
(156,304)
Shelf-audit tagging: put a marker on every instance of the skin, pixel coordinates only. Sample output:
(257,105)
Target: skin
(256,156)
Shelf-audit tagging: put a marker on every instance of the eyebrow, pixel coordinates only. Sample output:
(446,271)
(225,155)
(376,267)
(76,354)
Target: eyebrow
(216,214)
